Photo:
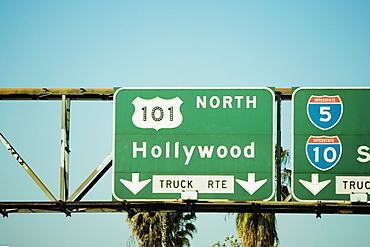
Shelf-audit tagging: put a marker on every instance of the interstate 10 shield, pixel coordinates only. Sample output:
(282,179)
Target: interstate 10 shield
(324,111)
(323,152)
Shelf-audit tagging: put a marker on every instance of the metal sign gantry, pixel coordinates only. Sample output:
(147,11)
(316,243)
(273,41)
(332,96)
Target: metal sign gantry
(65,96)
(69,204)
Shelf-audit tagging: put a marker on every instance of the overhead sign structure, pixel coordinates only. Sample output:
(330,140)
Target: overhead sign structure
(216,143)
(331,143)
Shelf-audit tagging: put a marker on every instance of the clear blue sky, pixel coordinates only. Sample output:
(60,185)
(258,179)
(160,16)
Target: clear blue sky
(103,44)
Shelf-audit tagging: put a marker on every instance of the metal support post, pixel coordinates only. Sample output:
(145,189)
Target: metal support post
(27,168)
(278,148)
(64,150)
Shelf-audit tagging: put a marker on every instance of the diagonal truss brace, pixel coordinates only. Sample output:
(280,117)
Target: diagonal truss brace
(27,168)
(87,185)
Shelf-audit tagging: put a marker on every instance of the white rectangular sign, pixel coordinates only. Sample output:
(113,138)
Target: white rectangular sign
(203,184)
(352,184)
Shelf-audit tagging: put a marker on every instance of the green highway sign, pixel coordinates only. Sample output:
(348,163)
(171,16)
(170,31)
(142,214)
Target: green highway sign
(331,144)
(205,143)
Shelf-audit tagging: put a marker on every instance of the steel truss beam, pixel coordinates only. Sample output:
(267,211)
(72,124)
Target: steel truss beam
(68,208)
(81,93)
(56,93)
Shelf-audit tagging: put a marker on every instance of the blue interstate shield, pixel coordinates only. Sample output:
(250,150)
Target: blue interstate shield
(324,111)
(323,152)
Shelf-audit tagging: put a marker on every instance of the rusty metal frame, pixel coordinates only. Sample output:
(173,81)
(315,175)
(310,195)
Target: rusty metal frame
(81,93)
(56,93)
(72,204)
(317,208)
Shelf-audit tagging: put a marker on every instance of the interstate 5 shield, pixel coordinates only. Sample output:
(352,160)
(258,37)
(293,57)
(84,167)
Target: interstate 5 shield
(324,111)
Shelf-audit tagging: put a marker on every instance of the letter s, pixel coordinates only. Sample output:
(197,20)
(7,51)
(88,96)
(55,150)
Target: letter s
(362,150)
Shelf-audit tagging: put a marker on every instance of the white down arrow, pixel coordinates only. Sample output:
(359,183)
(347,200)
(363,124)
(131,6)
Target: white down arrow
(252,185)
(135,186)
(315,186)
